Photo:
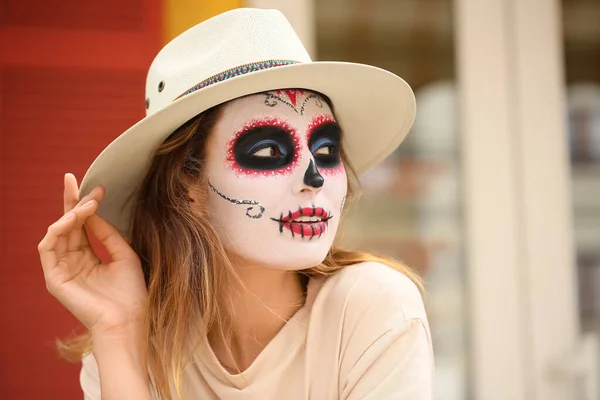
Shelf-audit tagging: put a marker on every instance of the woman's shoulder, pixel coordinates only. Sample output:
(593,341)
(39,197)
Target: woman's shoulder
(368,325)
(372,290)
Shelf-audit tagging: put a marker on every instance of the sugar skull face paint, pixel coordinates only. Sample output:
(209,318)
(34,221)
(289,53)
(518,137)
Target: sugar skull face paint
(306,222)
(276,180)
(268,144)
(251,211)
(324,136)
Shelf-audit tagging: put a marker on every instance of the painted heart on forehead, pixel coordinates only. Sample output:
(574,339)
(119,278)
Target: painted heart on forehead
(290,99)
(276,178)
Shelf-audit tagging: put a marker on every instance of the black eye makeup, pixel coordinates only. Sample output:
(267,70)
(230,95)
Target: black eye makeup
(324,144)
(264,146)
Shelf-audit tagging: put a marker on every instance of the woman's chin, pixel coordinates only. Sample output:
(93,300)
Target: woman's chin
(285,258)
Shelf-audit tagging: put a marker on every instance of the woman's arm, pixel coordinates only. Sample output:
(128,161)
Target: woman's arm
(116,369)
(108,298)
(122,366)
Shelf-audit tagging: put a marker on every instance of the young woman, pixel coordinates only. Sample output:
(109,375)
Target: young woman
(219,211)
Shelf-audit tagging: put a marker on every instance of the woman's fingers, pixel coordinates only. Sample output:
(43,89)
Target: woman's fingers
(67,234)
(47,247)
(96,194)
(70,199)
(77,238)
(53,247)
(71,193)
(110,237)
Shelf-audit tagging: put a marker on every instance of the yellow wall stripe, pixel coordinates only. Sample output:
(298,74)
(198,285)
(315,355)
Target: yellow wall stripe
(179,15)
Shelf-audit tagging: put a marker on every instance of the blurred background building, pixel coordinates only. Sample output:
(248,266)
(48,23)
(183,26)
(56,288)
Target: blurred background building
(494,198)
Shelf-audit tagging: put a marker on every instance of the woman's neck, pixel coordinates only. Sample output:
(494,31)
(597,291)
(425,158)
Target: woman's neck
(261,301)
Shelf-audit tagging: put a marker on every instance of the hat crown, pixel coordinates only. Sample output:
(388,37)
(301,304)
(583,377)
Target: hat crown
(221,45)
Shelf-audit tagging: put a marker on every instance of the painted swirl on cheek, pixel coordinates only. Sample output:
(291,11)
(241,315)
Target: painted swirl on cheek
(264,147)
(324,142)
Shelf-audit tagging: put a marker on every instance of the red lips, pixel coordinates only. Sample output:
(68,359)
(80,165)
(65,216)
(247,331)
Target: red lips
(306,222)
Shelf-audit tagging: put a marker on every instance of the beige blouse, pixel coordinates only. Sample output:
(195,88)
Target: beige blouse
(362,334)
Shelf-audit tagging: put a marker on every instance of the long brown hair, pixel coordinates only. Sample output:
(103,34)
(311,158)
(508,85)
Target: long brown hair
(183,259)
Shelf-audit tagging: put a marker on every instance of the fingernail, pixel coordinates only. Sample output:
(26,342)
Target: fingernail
(88,204)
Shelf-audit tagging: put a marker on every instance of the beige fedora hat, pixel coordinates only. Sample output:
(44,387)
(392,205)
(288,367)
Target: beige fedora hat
(234,54)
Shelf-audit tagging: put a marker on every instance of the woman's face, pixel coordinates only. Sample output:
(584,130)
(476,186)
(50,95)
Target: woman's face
(277,183)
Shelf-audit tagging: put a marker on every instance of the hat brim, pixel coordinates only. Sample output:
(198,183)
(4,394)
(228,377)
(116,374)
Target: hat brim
(374,107)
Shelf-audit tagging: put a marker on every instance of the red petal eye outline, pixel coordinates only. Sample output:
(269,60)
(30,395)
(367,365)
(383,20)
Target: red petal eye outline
(256,123)
(316,122)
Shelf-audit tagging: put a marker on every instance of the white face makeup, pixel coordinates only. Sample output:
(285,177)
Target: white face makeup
(277,183)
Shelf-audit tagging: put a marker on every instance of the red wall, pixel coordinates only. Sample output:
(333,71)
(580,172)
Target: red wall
(71,79)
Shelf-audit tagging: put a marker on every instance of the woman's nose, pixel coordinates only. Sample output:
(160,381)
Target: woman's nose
(312,177)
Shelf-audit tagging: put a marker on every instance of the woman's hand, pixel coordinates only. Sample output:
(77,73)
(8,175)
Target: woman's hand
(107,298)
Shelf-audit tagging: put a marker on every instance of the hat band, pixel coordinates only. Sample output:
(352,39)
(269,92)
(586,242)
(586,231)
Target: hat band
(237,71)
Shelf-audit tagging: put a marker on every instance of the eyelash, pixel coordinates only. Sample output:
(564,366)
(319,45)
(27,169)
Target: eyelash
(324,143)
(264,145)
(330,146)
(331,149)
(268,146)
